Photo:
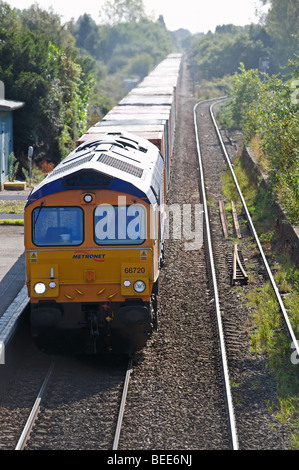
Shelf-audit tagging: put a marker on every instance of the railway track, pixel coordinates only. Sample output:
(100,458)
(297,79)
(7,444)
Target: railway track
(211,261)
(58,421)
(288,326)
(122,405)
(34,412)
(217,246)
(64,403)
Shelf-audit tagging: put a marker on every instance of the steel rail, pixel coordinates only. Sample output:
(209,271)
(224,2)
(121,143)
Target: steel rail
(122,406)
(228,396)
(289,328)
(34,412)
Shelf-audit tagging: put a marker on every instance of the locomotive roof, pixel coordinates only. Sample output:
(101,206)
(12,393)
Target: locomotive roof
(118,161)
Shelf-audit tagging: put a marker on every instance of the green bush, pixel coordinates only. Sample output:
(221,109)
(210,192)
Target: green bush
(262,106)
(13,166)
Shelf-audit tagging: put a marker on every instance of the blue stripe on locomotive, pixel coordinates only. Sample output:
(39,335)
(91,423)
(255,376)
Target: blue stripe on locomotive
(58,186)
(115,184)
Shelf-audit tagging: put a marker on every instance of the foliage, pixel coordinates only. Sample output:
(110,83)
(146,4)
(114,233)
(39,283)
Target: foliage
(36,19)
(11,221)
(282,25)
(87,35)
(115,12)
(36,175)
(54,68)
(129,40)
(267,336)
(12,207)
(275,39)
(120,50)
(264,107)
(221,53)
(12,166)
(48,75)
(140,65)
(115,45)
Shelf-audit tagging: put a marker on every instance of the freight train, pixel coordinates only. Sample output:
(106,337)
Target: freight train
(94,227)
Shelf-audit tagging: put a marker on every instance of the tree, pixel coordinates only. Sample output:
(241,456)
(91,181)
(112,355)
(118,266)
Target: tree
(220,54)
(120,43)
(87,35)
(53,81)
(267,110)
(36,19)
(122,11)
(140,65)
(282,22)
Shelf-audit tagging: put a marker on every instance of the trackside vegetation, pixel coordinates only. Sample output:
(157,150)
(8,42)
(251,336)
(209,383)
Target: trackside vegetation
(62,72)
(266,109)
(264,106)
(267,334)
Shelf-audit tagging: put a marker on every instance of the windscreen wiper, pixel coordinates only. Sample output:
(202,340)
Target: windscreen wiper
(35,220)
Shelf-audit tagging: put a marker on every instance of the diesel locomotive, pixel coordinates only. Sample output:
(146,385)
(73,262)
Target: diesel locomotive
(94,233)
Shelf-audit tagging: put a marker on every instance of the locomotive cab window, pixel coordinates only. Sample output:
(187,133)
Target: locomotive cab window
(56,226)
(120,225)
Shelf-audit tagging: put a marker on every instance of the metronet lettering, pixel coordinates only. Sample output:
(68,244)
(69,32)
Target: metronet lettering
(89,256)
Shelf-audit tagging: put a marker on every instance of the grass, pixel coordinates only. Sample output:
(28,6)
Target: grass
(260,156)
(208,89)
(258,200)
(268,336)
(11,221)
(12,207)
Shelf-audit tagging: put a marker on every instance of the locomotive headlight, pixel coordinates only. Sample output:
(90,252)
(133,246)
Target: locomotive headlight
(87,198)
(139,286)
(39,288)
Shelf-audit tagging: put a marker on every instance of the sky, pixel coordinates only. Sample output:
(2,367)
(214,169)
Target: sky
(194,15)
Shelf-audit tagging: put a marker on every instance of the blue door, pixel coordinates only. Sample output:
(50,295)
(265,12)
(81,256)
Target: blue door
(5,144)
(3,151)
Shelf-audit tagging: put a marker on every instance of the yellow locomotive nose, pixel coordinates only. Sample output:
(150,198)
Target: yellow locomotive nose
(89,275)
(135,277)
(44,280)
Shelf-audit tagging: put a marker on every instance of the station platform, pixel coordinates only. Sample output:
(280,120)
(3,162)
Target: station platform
(13,293)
